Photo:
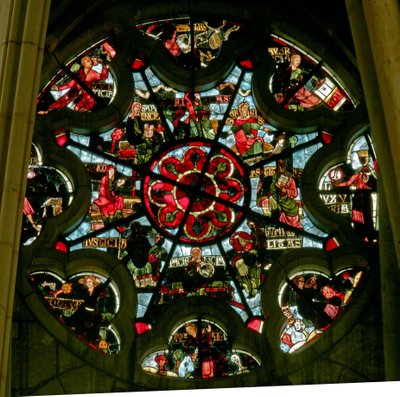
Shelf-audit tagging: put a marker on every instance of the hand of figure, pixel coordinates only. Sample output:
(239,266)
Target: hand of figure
(96,61)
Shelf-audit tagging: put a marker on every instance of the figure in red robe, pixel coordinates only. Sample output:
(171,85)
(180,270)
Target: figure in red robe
(87,75)
(245,129)
(110,202)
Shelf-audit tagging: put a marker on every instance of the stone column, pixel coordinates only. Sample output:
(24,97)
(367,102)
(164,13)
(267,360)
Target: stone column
(375,26)
(23,25)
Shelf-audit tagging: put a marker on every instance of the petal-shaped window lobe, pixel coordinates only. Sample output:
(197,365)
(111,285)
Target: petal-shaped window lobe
(85,303)
(201,354)
(84,84)
(177,36)
(311,302)
(48,194)
(301,82)
(349,189)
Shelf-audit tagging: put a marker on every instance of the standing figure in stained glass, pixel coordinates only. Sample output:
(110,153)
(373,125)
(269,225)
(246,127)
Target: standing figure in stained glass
(134,124)
(365,183)
(157,254)
(208,353)
(110,202)
(245,130)
(264,193)
(200,348)
(29,212)
(283,193)
(161,360)
(290,88)
(82,99)
(260,244)
(198,118)
(50,196)
(187,356)
(245,262)
(129,134)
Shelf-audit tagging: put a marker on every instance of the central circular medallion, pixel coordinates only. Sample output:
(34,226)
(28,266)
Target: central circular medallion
(196,192)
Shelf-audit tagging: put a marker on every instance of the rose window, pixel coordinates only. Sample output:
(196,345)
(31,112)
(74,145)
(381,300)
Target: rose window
(198,185)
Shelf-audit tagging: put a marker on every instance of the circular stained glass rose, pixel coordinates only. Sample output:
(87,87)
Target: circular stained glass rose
(196,192)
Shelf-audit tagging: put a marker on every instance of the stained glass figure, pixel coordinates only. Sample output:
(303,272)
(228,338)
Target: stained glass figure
(84,84)
(350,189)
(142,258)
(300,82)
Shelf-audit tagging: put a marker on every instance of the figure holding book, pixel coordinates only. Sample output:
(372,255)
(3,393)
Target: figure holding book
(283,190)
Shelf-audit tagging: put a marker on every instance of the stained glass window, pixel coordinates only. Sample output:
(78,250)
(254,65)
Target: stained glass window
(196,194)
(350,188)
(48,194)
(311,301)
(301,82)
(199,354)
(84,84)
(182,38)
(85,303)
